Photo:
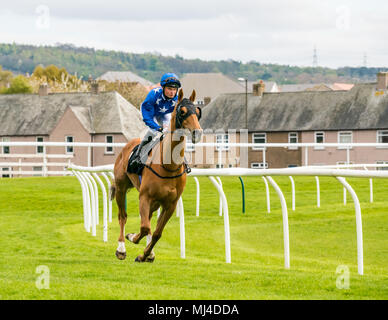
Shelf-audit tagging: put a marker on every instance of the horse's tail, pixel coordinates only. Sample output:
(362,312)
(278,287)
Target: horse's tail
(112,191)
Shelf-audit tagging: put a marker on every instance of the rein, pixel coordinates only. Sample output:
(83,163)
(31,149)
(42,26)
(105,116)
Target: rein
(186,170)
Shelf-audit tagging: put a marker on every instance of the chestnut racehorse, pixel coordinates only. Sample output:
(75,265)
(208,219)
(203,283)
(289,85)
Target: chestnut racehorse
(162,182)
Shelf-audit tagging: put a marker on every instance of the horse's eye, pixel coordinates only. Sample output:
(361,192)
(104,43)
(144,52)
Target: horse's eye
(182,112)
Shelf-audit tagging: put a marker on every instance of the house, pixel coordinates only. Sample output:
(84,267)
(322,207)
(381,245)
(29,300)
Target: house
(125,76)
(357,115)
(209,85)
(67,117)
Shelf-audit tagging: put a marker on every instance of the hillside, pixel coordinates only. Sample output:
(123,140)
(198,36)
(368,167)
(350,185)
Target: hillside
(88,61)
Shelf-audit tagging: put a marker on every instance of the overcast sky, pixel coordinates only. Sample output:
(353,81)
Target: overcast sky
(274,31)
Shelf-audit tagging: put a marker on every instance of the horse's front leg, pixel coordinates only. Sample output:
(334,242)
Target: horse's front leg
(164,217)
(120,199)
(146,210)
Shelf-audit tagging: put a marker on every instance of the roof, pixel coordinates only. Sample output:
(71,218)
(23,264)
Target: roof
(357,109)
(106,112)
(124,76)
(209,84)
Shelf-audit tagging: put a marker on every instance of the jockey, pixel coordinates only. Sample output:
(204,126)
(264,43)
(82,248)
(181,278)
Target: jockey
(157,108)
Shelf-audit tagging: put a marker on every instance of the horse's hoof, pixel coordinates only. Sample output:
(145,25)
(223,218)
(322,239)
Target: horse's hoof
(121,255)
(150,259)
(138,259)
(130,236)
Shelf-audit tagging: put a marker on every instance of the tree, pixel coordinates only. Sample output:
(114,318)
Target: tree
(5,77)
(19,84)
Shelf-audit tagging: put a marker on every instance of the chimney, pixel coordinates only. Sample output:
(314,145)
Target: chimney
(258,88)
(206,100)
(94,88)
(43,90)
(382,81)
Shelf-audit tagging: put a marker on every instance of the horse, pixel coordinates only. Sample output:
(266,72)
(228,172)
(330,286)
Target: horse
(162,182)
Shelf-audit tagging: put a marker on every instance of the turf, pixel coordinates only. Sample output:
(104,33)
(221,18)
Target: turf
(41,223)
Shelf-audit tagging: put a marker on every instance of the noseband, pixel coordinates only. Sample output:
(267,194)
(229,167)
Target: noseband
(191,109)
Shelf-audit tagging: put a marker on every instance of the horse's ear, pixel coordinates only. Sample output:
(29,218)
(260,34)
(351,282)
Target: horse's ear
(180,95)
(192,97)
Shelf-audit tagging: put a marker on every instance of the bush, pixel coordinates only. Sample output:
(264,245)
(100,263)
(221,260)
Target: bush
(19,84)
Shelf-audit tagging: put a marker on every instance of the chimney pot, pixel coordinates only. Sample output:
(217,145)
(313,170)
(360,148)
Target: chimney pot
(95,88)
(258,88)
(43,90)
(382,80)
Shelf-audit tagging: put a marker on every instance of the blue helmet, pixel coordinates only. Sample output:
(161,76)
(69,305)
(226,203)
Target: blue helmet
(170,80)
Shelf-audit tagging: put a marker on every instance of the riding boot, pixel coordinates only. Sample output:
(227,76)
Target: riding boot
(141,145)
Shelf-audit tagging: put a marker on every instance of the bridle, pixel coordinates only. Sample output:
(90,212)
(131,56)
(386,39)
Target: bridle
(191,109)
(179,118)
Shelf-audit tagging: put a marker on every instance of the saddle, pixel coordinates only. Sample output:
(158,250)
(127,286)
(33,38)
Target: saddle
(134,166)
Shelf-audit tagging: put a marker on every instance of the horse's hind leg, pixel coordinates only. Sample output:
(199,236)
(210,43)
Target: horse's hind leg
(120,199)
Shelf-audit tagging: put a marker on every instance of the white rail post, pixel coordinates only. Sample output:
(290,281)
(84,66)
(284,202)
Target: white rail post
(285,222)
(318,193)
(105,207)
(92,202)
(226,219)
(44,162)
(360,255)
(96,205)
(293,192)
(370,187)
(85,196)
(306,156)
(220,210)
(180,209)
(198,196)
(110,201)
(267,192)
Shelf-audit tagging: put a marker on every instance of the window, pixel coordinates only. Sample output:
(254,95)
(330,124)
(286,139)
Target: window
(382,162)
(382,137)
(219,166)
(345,137)
(319,137)
(222,138)
(5,149)
(39,149)
(259,138)
(292,165)
(69,149)
(5,175)
(293,138)
(37,169)
(259,165)
(230,165)
(109,139)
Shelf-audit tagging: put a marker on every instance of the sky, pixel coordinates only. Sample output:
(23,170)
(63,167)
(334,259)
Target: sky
(344,33)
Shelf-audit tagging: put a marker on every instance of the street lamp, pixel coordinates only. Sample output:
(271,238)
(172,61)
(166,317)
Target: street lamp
(246,100)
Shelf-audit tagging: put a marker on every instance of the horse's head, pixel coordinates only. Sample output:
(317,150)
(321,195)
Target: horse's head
(187,116)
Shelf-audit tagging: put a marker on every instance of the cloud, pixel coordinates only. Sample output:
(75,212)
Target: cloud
(276,31)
